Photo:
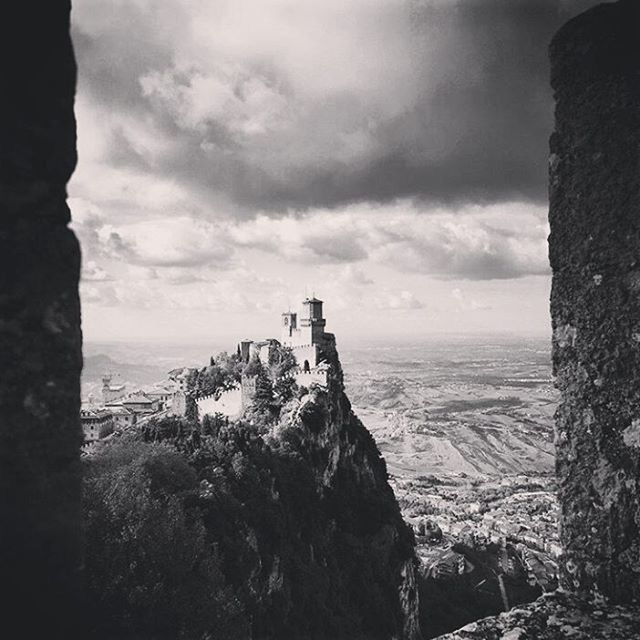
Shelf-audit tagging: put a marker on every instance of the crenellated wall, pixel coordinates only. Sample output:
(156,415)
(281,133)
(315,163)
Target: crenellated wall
(228,403)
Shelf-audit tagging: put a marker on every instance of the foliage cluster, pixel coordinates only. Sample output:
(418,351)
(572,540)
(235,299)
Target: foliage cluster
(235,538)
(275,384)
(151,572)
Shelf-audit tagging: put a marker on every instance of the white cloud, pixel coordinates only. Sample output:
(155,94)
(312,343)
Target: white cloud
(278,103)
(232,152)
(476,243)
(169,242)
(466,303)
(93,272)
(397,301)
(230,96)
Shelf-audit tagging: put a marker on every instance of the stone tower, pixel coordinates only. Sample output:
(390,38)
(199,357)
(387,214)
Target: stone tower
(312,323)
(305,334)
(289,325)
(106,385)
(245,349)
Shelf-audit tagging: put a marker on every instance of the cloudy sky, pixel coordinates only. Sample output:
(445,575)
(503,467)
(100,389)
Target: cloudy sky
(388,155)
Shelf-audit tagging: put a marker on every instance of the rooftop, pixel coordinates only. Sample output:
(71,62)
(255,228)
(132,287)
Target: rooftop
(119,410)
(95,413)
(137,398)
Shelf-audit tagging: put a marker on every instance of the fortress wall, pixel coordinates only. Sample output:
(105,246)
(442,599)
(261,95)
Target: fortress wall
(228,404)
(306,379)
(40,339)
(299,337)
(306,352)
(595,302)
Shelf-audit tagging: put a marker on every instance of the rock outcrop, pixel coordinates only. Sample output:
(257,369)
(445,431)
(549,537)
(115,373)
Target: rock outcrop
(40,337)
(595,302)
(556,616)
(351,478)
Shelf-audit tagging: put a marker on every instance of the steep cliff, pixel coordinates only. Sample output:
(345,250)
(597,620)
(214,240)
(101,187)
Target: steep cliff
(351,478)
(304,535)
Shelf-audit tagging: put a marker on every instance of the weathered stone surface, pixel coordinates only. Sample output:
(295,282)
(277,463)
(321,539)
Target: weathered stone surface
(556,616)
(595,302)
(347,463)
(40,339)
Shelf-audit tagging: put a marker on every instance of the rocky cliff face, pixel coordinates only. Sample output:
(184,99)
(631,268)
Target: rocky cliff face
(556,616)
(350,471)
(595,303)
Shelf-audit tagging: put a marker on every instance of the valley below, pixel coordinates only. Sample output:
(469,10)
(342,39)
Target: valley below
(457,407)
(466,429)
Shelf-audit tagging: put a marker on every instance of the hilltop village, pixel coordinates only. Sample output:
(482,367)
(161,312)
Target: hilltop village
(120,408)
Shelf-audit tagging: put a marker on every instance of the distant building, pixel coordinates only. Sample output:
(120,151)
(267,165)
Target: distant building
(179,397)
(111,392)
(244,349)
(229,404)
(128,410)
(96,424)
(140,403)
(162,394)
(248,390)
(304,334)
(122,417)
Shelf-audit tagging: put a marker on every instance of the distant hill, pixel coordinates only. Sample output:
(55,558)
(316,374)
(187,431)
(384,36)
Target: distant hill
(129,373)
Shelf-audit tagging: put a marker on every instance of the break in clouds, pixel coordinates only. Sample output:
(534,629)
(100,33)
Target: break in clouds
(411,134)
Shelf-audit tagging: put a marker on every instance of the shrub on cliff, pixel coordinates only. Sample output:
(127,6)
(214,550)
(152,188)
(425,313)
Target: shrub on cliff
(150,571)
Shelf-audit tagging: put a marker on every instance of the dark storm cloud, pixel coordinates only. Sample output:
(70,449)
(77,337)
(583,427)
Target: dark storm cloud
(446,102)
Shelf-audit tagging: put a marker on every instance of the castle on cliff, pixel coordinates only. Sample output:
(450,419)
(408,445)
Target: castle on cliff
(303,333)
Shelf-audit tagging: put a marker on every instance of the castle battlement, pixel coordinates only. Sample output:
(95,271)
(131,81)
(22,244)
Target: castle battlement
(228,403)
(303,333)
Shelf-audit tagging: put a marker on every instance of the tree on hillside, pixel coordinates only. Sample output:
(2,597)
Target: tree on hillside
(150,571)
(284,389)
(284,362)
(263,399)
(222,374)
(211,425)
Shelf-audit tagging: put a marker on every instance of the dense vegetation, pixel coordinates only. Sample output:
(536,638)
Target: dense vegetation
(151,571)
(224,530)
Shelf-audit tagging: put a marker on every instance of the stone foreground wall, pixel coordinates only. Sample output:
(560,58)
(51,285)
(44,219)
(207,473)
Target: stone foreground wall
(40,340)
(595,302)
